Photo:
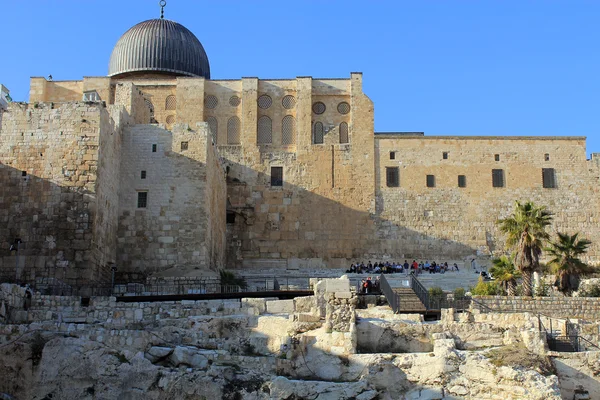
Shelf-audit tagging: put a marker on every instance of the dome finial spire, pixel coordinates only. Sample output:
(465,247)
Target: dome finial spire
(162,4)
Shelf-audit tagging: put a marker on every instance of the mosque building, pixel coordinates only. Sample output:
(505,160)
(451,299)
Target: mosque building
(156,167)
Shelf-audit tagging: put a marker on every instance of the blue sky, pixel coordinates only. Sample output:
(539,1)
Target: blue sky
(443,67)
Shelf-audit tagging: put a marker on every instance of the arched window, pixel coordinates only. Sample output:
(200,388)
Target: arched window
(233,130)
(171,103)
(213,127)
(150,106)
(318,133)
(265,130)
(343,132)
(288,130)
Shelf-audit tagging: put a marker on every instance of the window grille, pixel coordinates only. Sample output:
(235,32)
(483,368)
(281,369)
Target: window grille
(498,178)
(288,130)
(143,175)
(213,127)
(445,155)
(142,200)
(318,133)
(546,157)
(171,103)
(392,176)
(344,132)
(234,101)
(265,101)
(343,108)
(91,96)
(319,108)
(462,181)
(288,102)
(184,146)
(170,119)
(265,130)
(233,130)
(497,157)
(392,155)
(548,178)
(276,176)
(150,106)
(211,102)
(154,148)
(430,181)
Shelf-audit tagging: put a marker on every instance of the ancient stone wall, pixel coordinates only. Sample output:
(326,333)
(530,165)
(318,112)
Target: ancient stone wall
(320,214)
(49,161)
(452,220)
(171,228)
(587,308)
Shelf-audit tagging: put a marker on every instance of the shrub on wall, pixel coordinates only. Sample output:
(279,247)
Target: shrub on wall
(486,288)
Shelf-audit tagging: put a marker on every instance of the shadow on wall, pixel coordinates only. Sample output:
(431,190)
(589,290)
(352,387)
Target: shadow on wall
(54,224)
(289,226)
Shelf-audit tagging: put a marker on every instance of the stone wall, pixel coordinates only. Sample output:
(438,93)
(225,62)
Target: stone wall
(587,308)
(48,189)
(181,207)
(454,221)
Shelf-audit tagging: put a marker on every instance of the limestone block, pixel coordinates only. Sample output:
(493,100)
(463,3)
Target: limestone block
(337,285)
(188,356)
(343,295)
(305,304)
(258,304)
(303,317)
(280,306)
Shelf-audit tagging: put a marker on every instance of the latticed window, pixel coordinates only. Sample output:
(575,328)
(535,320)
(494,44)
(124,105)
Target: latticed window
(318,133)
(392,176)
(233,130)
(234,101)
(142,200)
(319,108)
(498,178)
(171,103)
(344,132)
(288,102)
(288,130)
(343,108)
(265,101)
(213,127)
(548,178)
(211,101)
(150,106)
(265,130)
(170,119)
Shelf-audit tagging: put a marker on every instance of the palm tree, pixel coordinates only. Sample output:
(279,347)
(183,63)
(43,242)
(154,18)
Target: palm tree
(565,261)
(504,271)
(526,231)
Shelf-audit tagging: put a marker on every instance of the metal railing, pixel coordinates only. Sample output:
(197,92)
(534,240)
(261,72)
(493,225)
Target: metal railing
(420,291)
(392,297)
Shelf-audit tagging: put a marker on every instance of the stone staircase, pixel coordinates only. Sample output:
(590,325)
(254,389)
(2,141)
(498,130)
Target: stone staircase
(409,301)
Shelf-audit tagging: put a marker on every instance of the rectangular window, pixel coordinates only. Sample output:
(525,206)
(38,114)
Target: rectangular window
(430,180)
(548,178)
(392,176)
(392,155)
(154,148)
(462,181)
(142,199)
(184,146)
(498,178)
(143,175)
(445,155)
(546,157)
(23,173)
(276,176)
(497,157)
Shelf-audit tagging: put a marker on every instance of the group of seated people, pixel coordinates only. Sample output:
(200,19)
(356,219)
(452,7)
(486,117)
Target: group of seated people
(395,267)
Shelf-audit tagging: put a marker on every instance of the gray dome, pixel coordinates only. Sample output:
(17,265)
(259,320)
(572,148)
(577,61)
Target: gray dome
(159,45)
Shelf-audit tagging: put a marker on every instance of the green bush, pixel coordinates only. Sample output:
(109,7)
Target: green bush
(591,291)
(486,288)
(436,292)
(542,290)
(459,293)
